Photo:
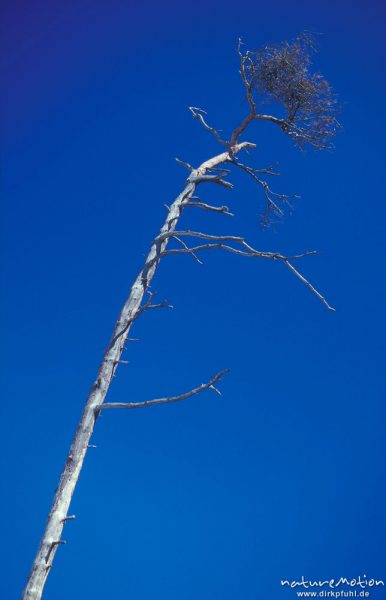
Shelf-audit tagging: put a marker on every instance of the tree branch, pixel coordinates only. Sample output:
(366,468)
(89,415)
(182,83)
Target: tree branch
(149,306)
(184,164)
(197,178)
(186,248)
(198,113)
(166,400)
(218,242)
(218,209)
(246,71)
(268,193)
(309,285)
(244,60)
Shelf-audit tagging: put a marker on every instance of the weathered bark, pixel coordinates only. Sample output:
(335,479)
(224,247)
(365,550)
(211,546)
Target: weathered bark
(131,309)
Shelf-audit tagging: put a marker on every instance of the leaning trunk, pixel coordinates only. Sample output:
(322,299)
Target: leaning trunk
(59,511)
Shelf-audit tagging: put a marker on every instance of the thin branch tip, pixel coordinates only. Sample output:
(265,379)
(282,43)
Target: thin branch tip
(214,389)
(198,113)
(218,209)
(69,518)
(184,164)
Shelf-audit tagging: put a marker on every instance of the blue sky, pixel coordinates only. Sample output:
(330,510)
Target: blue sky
(214,497)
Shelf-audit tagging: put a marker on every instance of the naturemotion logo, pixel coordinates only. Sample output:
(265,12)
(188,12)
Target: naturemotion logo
(357,587)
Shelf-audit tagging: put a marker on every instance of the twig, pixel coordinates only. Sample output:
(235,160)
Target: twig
(59,542)
(69,518)
(52,546)
(186,248)
(166,400)
(244,59)
(214,246)
(163,304)
(149,306)
(212,387)
(309,285)
(198,113)
(218,209)
(268,193)
(184,164)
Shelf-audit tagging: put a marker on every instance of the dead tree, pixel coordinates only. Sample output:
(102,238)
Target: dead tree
(278,73)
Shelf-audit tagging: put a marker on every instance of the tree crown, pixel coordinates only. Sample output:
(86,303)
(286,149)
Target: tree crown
(282,73)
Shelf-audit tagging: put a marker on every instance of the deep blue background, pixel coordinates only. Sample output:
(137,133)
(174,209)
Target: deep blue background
(211,498)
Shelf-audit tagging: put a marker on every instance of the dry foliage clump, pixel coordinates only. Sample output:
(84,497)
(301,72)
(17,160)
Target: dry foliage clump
(281,73)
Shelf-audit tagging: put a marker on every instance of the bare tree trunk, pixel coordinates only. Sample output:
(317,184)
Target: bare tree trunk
(132,308)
